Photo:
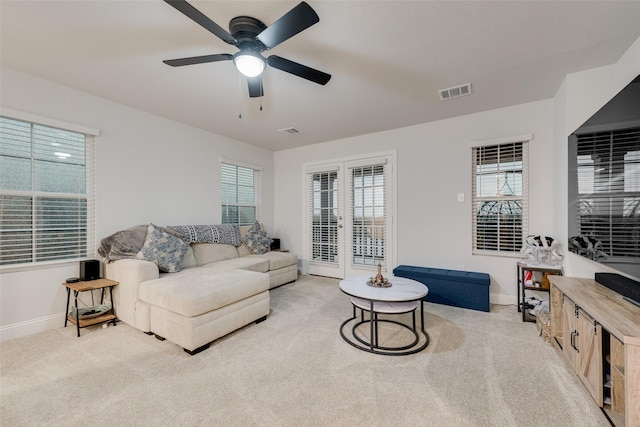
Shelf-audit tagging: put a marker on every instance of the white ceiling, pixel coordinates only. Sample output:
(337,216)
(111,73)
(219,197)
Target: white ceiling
(387,58)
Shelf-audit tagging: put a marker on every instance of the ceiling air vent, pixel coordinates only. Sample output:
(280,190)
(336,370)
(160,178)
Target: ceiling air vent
(290,131)
(455,92)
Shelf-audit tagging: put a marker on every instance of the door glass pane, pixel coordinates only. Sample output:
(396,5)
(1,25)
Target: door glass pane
(368,216)
(324,244)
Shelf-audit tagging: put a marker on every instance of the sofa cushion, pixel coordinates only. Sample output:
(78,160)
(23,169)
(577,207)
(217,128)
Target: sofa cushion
(243,250)
(196,291)
(243,229)
(277,259)
(163,249)
(189,259)
(256,239)
(222,233)
(244,263)
(206,253)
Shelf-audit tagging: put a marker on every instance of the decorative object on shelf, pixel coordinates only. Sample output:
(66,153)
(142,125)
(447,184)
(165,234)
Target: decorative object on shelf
(542,250)
(541,307)
(90,312)
(545,284)
(378,281)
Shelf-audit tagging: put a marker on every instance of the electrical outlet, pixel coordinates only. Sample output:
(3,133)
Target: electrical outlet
(460,197)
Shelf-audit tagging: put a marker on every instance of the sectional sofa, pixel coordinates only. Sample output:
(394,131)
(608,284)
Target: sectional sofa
(216,288)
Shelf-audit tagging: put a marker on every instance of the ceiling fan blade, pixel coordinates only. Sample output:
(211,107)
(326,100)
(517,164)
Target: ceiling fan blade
(199,59)
(299,70)
(291,23)
(200,18)
(255,87)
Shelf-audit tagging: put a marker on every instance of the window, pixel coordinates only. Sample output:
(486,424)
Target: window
(500,197)
(608,185)
(46,193)
(241,194)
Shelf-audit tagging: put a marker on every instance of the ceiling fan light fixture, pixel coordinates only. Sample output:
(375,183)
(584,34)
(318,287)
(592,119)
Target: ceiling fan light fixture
(249,64)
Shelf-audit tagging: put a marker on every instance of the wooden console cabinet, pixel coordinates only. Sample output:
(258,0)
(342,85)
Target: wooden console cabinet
(599,334)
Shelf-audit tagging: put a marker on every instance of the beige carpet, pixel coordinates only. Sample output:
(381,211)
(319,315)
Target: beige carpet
(294,369)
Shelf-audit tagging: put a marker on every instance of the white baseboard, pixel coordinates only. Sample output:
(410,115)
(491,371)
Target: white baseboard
(31,326)
(502,299)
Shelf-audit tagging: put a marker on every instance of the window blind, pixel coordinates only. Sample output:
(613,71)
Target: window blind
(47,193)
(500,197)
(241,194)
(368,215)
(322,219)
(608,165)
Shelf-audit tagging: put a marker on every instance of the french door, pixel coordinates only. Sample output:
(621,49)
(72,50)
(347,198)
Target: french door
(349,217)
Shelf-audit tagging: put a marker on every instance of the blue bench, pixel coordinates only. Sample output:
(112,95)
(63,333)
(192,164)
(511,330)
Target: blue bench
(464,289)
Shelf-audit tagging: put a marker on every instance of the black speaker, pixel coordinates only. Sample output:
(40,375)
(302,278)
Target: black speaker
(89,270)
(275,244)
(626,287)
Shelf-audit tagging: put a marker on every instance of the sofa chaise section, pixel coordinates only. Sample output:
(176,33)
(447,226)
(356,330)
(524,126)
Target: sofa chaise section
(194,307)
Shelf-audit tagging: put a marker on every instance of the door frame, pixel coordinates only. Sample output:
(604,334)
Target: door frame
(391,200)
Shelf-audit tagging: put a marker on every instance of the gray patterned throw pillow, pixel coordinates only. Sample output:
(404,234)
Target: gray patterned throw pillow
(221,233)
(163,249)
(257,240)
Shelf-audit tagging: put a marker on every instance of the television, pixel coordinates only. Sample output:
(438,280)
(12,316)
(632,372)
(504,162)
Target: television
(604,184)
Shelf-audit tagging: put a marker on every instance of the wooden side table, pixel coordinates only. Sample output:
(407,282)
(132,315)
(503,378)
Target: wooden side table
(102,284)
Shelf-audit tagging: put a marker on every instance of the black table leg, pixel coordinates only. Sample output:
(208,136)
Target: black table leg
(372,325)
(66,313)
(113,304)
(75,296)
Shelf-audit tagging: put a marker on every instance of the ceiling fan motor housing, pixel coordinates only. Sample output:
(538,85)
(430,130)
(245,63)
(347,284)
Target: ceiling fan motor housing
(245,29)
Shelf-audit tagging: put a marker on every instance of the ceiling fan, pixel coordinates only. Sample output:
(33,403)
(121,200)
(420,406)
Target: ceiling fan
(253,37)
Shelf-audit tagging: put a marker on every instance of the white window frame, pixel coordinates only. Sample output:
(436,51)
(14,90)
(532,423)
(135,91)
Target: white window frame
(257,190)
(89,191)
(501,198)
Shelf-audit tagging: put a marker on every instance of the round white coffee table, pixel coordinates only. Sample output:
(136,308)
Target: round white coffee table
(403,296)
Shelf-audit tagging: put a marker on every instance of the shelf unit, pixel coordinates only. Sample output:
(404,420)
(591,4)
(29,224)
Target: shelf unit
(540,282)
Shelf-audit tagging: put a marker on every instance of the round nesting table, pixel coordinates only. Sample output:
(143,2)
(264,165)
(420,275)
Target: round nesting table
(403,296)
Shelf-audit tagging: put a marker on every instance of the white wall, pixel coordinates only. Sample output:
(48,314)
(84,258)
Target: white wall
(433,165)
(149,169)
(578,98)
